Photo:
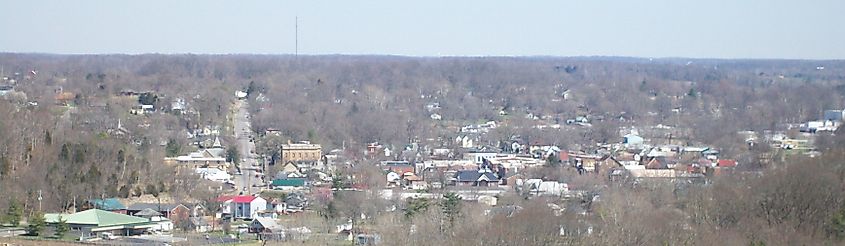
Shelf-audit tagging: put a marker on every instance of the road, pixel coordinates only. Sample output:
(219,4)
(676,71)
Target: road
(249,164)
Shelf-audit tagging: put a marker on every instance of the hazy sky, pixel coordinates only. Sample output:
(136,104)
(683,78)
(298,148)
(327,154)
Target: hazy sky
(644,28)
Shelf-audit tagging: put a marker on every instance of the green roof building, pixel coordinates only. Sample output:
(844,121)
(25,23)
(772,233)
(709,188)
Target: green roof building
(96,220)
(288,183)
(108,204)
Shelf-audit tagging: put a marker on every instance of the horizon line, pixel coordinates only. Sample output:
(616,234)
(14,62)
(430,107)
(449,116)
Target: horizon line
(422,56)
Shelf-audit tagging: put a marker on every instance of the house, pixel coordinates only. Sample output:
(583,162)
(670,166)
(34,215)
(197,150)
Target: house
(550,188)
(543,151)
(399,167)
(5,89)
(292,170)
(161,222)
(93,222)
(585,162)
(107,204)
(393,179)
(479,156)
(265,225)
(198,224)
(64,98)
(177,213)
(726,163)
(267,229)
(247,207)
(834,115)
(225,206)
(214,157)
(367,239)
(415,182)
(632,140)
(178,106)
(661,162)
(147,213)
(481,178)
(295,202)
(213,174)
(241,95)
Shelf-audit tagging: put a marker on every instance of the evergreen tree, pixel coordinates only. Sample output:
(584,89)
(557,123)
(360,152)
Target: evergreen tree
(232,155)
(36,224)
(65,153)
(451,205)
(48,137)
(416,206)
(837,225)
(14,213)
(172,149)
(552,161)
(61,228)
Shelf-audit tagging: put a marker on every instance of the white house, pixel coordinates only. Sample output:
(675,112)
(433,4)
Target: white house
(632,140)
(240,94)
(247,207)
(393,178)
(213,174)
(551,188)
(479,156)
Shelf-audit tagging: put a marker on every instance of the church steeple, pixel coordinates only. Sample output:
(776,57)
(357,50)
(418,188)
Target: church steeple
(217,143)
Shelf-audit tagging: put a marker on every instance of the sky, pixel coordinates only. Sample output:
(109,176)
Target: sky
(758,29)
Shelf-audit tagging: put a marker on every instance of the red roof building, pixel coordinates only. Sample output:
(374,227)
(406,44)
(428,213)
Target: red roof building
(726,163)
(224,198)
(243,199)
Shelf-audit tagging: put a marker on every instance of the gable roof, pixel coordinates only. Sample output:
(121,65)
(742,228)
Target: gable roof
(225,198)
(294,199)
(99,218)
(216,152)
(243,199)
(147,212)
(108,204)
(266,223)
(475,175)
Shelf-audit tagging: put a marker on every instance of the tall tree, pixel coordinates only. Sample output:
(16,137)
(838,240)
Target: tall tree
(451,206)
(14,213)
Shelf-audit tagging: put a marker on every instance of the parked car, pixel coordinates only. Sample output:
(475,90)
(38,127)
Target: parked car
(108,236)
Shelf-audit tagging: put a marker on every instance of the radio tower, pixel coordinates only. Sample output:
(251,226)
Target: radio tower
(296,37)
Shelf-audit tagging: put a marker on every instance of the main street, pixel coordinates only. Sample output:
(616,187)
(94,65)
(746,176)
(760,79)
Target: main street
(248,165)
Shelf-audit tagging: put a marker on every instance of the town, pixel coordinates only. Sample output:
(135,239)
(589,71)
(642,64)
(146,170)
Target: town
(110,159)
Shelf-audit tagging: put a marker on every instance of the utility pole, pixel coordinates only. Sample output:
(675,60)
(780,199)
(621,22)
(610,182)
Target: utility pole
(296,37)
(39,201)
